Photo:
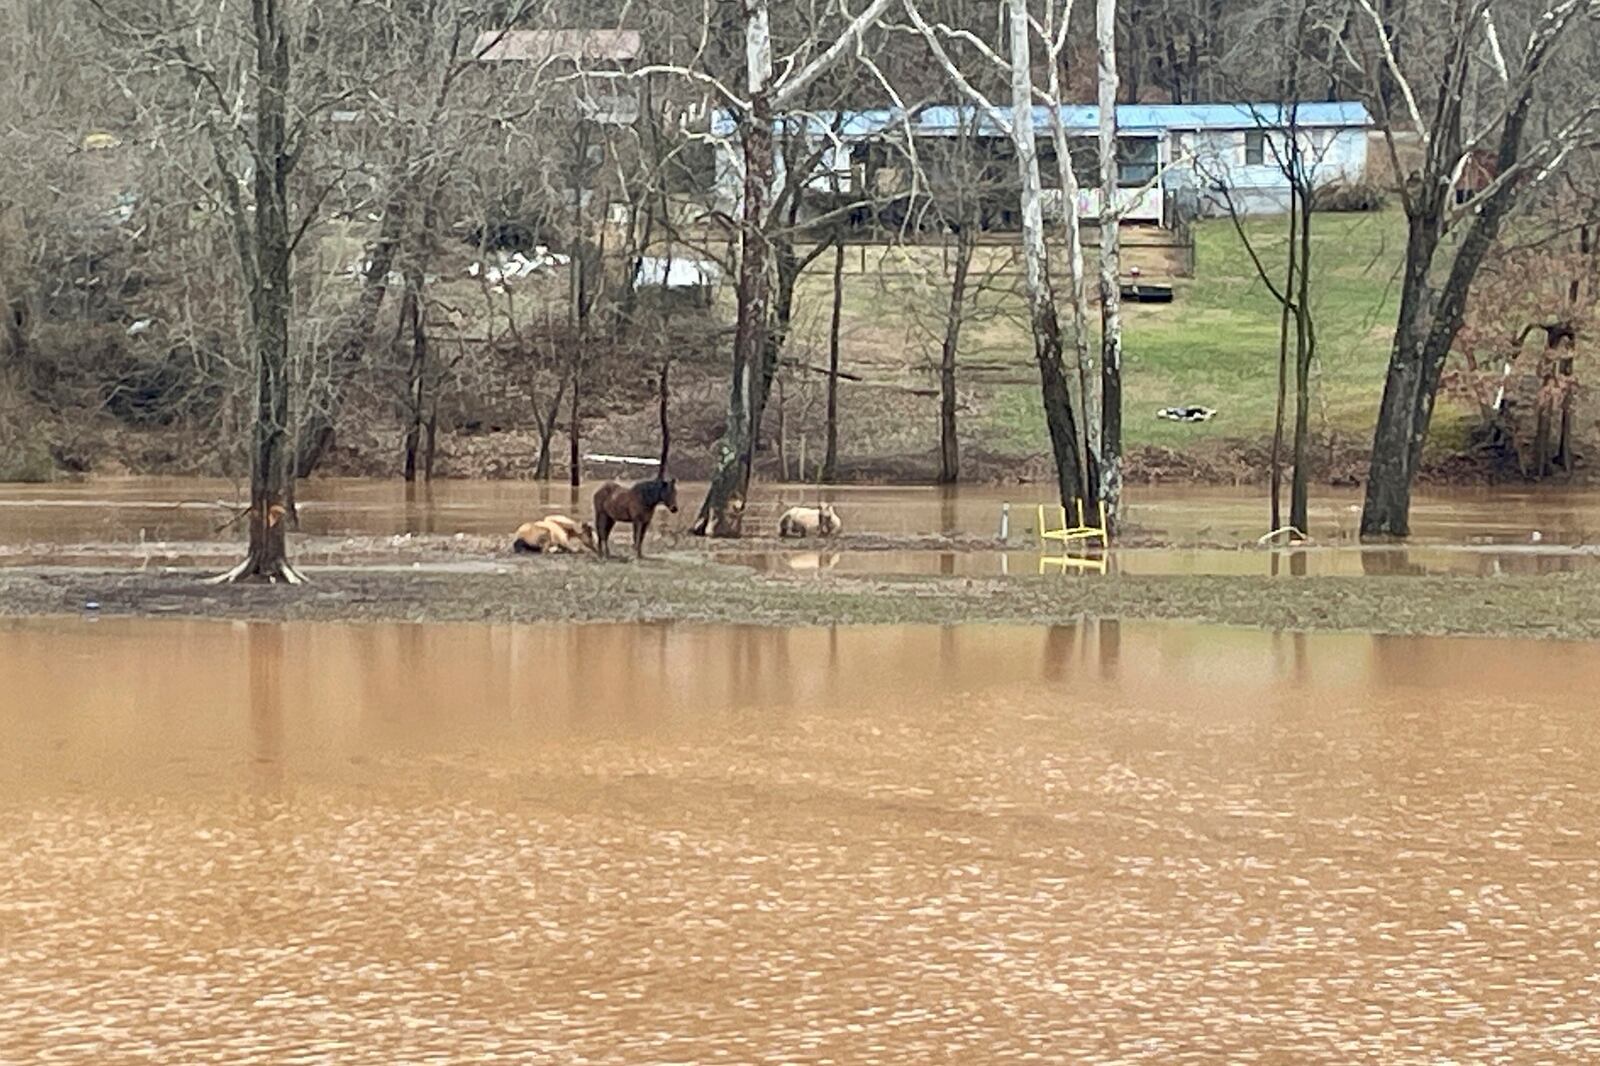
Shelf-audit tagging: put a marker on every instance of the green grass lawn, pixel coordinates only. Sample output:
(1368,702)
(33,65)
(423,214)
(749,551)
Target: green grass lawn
(1215,345)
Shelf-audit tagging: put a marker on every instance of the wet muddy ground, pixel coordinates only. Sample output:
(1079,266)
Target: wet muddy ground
(674,589)
(1509,564)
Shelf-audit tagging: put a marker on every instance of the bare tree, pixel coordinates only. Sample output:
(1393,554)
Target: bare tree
(1110,265)
(1055,35)
(253,147)
(1549,290)
(1297,155)
(1471,97)
(830,459)
(1018,124)
(722,512)
(965,241)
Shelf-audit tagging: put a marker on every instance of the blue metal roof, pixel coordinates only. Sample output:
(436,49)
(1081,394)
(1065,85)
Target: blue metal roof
(1239,116)
(946,120)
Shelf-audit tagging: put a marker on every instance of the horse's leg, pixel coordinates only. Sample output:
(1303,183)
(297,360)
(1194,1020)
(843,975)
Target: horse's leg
(602,532)
(640,527)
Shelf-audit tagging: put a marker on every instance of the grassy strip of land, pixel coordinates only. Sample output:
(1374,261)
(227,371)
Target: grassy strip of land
(1562,606)
(1215,345)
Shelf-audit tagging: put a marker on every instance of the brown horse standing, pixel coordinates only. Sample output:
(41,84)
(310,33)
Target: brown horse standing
(635,504)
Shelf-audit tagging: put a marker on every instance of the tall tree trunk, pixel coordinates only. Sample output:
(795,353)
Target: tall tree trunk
(830,459)
(1425,333)
(722,511)
(1088,388)
(1110,267)
(547,431)
(949,448)
(270,305)
(574,426)
(788,270)
(783,434)
(1564,441)
(1057,397)
(1387,506)
(1428,325)
(430,447)
(416,387)
(1305,342)
(580,299)
(1285,315)
(663,399)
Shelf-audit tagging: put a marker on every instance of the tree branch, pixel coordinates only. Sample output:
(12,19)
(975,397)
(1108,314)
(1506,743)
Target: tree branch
(789,89)
(1394,69)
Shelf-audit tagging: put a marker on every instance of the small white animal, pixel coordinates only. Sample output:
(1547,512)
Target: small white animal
(810,522)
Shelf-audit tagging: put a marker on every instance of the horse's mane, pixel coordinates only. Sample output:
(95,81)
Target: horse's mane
(651,492)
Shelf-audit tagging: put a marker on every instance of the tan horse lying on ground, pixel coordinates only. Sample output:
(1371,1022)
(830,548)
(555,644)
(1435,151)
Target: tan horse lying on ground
(810,522)
(635,504)
(554,534)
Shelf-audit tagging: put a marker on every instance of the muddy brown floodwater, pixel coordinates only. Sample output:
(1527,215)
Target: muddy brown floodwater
(670,844)
(188,509)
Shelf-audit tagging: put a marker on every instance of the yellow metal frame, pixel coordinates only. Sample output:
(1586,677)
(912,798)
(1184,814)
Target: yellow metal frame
(1063,563)
(1079,533)
(1075,541)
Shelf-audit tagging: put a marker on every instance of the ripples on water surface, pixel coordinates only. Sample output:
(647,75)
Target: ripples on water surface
(256,844)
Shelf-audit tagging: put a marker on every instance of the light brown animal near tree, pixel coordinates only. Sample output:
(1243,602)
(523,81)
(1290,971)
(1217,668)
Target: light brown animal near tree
(635,504)
(554,534)
(810,522)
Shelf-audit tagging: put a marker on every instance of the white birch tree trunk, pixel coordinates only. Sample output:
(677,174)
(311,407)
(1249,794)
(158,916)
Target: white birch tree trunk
(1110,264)
(722,511)
(1023,138)
(1057,397)
(1018,123)
(1088,387)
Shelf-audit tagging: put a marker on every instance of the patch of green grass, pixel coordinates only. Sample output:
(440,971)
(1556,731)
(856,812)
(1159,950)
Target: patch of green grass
(1216,345)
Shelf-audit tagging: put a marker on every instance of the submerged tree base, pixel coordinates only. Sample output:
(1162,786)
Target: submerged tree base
(257,570)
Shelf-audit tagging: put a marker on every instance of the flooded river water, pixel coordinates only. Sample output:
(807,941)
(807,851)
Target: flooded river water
(652,844)
(1207,531)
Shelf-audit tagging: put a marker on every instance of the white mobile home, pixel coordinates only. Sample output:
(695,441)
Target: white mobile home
(1165,153)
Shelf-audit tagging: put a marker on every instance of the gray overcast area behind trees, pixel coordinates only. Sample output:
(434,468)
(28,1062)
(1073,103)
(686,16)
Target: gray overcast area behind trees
(236,217)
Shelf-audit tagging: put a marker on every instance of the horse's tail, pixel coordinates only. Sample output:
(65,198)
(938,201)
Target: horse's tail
(522,547)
